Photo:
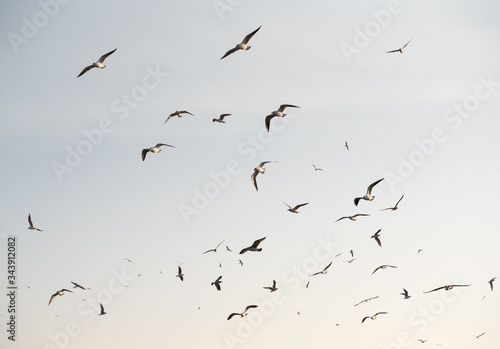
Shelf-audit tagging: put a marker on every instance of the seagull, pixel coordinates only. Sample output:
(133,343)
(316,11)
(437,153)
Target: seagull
(491,283)
(278,113)
(75,285)
(242,314)
(405,294)
(180,275)
(400,50)
(217,283)
(295,209)
(213,249)
(420,250)
(102,310)
(351,260)
(338,254)
(368,195)
(98,64)
(241,263)
(353,218)
(154,149)
(395,206)
(307,285)
(346,145)
(446,287)
(256,171)
(482,334)
(177,113)
(32,227)
(272,288)
(221,118)
(228,249)
(243,45)
(376,237)
(352,253)
(366,300)
(324,271)
(59,293)
(422,340)
(253,248)
(384,267)
(317,168)
(373,317)
(128,260)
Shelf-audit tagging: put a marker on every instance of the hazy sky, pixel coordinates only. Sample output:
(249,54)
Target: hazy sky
(426,120)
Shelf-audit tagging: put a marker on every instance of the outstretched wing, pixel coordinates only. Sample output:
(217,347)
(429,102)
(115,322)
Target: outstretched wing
(299,206)
(284,106)
(144,152)
(161,144)
(231,51)
(249,36)
(256,243)
(86,69)
(254,179)
(370,187)
(268,121)
(103,57)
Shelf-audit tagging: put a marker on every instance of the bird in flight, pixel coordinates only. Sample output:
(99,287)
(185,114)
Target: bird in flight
(317,168)
(395,206)
(368,196)
(75,285)
(405,294)
(350,260)
(228,249)
(128,260)
(352,253)
(32,227)
(400,50)
(180,275)
(491,282)
(243,45)
(241,262)
(155,149)
(366,300)
(376,236)
(244,312)
(102,310)
(446,288)
(295,209)
(278,113)
(273,287)
(221,118)
(324,271)
(217,283)
(307,285)
(177,113)
(98,64)
(482,334)
(384,267)
(373,317)
(254,248)
(346,145)
(353,218)
(214,249)
(256,171)
(422,340)
(59,293)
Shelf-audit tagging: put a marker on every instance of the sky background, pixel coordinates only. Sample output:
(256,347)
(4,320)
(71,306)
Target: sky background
(112,205)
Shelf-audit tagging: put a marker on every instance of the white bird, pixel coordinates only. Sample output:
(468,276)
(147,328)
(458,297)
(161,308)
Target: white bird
(59,293)
(221,118)
(324,271)
(384,267)
(155,149)
(177,113)
(217,283)
(244,312)
(446,288)
(102,310)
(32,227)
(98,64)
(395,206)
(254,248)
(373,317)
(214,249)
(294,209)
(366,300)
(273,287)
(368,196)
(278,113)
(400,50)
(353,218)
(180,275)
(256,171)
(244,44)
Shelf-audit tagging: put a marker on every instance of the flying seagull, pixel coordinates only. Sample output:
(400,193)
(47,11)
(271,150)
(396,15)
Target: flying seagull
(405,294)
(384,267)
(376,236)
(59,293)
(241,262)
(155,149)
(491,283)
(273,287)
(228,249)
(243,45)
(353,218)
(177,113)
(102,310)
(422,340)
(75,285)
(317,168)
(242,314)
(256,171)
(214,249)
(324,271)
(278,113)
(368,196)
(217,283)
(295,209)
(98,64)
(128,260)
(395,206)
(307,285)
(373,317)
(180,275)
(366,300)
(221,118)
(482,334)
(352,253)
(400,50)
(351,260)
(346,145)
(254,248)
(32,227)
(446,288)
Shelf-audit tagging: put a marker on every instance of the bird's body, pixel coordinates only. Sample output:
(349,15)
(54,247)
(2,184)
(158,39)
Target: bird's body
(59,293)
(366,300)
(217,283)
(278,113)
(346,145)
(272,288)
(395,206)
(102,310)
(368,196)
(214,249)
(254,248)
(243,45)
(32,227)
(98,64)
(385,266)
(373,317)
(180,275)
(376,236)
(317,168)
(295,209)
(353,218)
(400,50)
(178,114)
(155,149)
(446,288)
(256,171)
(324,271)
(243,314)
(405,294)
(491,283)
(75,285)
(221,118)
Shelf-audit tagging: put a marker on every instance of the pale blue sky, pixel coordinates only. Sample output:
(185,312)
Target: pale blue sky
(113,205)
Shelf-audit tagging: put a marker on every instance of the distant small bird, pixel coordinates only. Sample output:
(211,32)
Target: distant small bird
(221,118)
(102,310)
(178,114)
(366,300)
(220,265)
(32,227)
(180,275)
(491,283)
(482,334)
(338,254)
(346,145)
(128,260)
(420,250)
(98,64)
(298,313)
(446,288)
(228,249)
(244,44)
(278,113)
(353,218)
(214,249)
(373,317)
(59,293)
(324,271)
(155,149)
(384,267)
(295,209)
(376,236)
(273,287)
(217,283)
(395,206)
(368,196)
(244,313)
(351,260)
(352,253)
(241,262)
(254,248)
(317,168)
(400,50)
(75,285)
(307,285)
(405,294)
(257,170)
(422,340)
